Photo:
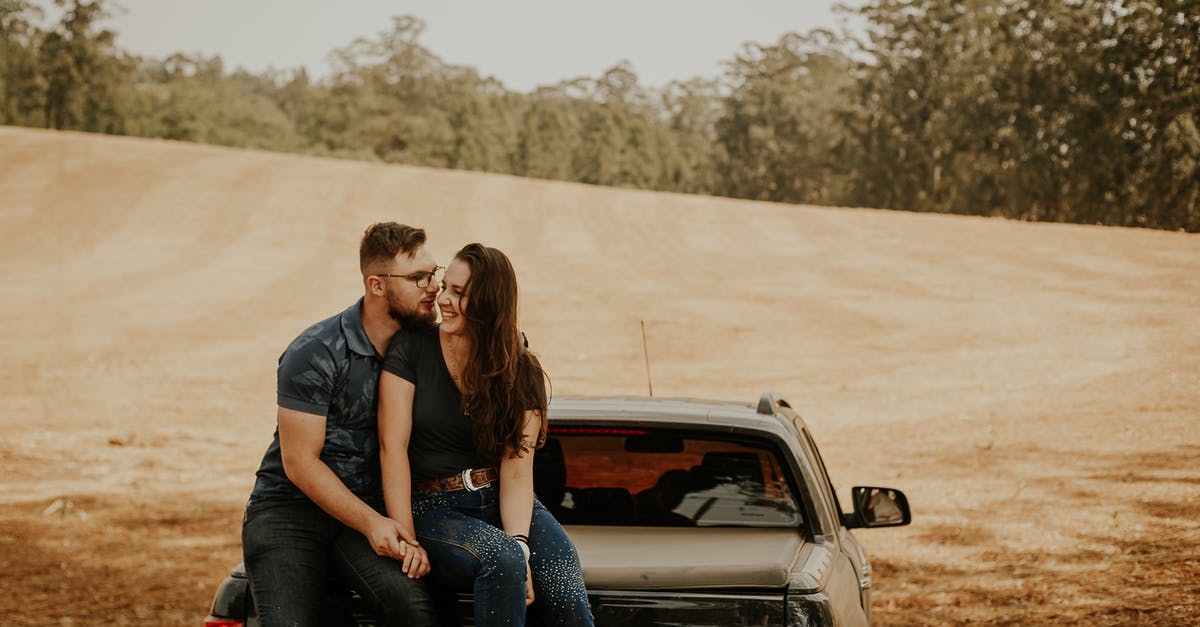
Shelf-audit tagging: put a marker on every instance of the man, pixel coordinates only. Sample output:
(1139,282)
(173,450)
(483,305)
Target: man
(318,500)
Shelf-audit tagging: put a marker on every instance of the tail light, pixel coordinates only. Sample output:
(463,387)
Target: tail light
(595,431)
(216,621)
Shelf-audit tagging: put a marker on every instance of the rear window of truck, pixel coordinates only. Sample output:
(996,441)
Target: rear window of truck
(662,477)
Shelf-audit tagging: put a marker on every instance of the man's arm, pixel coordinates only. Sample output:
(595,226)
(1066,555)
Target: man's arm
(301,438)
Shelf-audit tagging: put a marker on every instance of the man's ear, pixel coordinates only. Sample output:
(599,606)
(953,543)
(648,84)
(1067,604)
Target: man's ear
(375,285)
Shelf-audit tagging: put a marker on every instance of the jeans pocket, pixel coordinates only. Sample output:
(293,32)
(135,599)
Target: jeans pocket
(262,507)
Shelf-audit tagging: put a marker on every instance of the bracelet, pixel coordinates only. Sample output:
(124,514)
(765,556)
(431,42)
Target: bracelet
(523,542)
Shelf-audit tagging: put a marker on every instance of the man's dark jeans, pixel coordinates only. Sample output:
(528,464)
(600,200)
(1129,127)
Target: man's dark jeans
(288,546)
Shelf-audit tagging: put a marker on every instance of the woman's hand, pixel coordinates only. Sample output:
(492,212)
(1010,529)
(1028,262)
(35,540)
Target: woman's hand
(528,585)
(416,560)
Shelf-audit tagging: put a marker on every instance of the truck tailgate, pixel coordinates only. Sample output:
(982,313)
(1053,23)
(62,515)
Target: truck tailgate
(649,558)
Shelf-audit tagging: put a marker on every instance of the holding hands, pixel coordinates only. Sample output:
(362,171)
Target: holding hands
(391,539)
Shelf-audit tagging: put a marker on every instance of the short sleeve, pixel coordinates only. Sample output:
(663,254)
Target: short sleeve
(537,390)
(402,355)
(307,372)
(541,387)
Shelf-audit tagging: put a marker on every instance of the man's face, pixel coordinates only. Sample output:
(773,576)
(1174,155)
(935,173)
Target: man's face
(412,306)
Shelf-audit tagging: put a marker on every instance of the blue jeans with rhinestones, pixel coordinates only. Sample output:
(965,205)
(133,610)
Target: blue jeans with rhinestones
(468,549)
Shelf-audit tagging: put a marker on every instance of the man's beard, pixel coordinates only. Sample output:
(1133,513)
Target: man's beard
(412,320)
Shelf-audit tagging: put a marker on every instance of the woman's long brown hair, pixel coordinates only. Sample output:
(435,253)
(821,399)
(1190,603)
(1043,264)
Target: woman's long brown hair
(501,379)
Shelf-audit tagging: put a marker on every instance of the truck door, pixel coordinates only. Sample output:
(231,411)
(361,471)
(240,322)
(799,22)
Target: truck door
(851,606)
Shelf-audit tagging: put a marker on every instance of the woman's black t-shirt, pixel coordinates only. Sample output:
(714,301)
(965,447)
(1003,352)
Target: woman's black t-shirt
(441,443)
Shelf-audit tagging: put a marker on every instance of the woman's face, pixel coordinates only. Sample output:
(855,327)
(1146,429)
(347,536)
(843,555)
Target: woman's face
(453,301)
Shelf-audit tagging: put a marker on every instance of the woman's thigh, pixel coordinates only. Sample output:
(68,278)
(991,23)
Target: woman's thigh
(461,545)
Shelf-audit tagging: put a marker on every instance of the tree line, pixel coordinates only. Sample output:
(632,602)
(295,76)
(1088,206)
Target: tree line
(1082,111)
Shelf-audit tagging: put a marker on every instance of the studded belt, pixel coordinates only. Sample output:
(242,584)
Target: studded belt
(470,479)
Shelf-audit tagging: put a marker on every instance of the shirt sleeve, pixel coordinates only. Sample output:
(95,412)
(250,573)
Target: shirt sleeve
(401,358)
(539,386)
(533,404)
(307,373)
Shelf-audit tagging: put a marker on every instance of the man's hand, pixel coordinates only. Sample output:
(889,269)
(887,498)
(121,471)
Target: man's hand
(389,538)
(384,534)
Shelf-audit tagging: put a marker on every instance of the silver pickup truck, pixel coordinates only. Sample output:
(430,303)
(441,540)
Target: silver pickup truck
(686,512)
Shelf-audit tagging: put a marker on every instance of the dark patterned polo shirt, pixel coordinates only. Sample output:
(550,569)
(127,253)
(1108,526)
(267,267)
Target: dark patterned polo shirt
(331,370)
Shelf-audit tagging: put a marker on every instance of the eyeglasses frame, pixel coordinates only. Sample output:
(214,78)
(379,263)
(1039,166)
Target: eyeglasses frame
(417,278)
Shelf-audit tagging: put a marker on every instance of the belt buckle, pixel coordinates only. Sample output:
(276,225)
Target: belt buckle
(470,485)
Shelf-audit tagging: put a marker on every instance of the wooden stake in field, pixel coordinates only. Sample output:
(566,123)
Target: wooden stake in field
(646,354)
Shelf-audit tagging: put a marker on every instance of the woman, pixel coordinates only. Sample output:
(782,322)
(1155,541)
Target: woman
(462,408)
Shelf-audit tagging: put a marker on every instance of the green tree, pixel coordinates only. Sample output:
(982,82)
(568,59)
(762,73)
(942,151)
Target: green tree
(549,135)
(623,138)
(484,119)
(1034,109)
(692,109)
(780,129)
(1147,70)
(384,97)
(21,84)
(84,72)
(192,99)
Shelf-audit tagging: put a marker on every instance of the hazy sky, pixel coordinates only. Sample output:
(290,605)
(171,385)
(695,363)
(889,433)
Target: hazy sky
(523,43)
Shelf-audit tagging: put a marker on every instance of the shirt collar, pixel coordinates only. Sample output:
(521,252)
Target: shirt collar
(356,335)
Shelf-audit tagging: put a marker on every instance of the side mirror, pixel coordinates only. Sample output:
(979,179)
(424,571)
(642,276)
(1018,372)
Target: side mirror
(878,507)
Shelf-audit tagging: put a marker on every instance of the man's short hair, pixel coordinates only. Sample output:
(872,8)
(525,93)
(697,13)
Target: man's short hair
(382,241)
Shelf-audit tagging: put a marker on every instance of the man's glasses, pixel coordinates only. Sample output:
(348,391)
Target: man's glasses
(421,279)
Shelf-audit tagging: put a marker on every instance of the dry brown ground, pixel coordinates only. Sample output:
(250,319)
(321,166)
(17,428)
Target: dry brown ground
(1034,388)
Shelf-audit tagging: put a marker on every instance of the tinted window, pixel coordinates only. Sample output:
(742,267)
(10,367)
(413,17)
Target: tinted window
(605,476)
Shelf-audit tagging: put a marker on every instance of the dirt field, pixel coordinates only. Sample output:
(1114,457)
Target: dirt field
(1033,388)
